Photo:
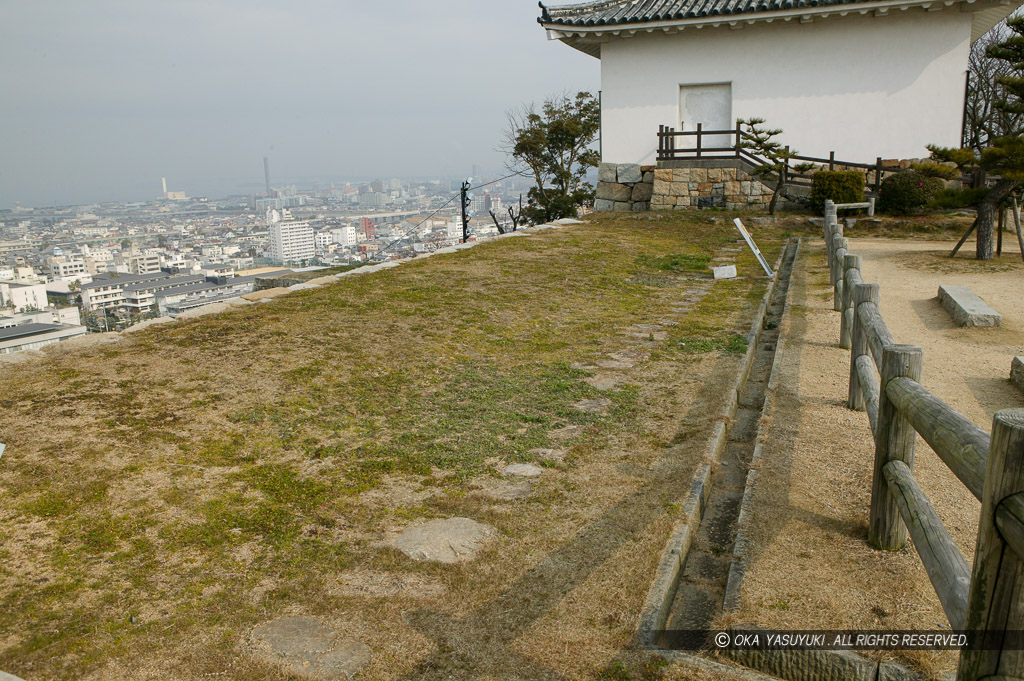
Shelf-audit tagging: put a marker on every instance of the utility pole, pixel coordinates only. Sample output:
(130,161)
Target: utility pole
(465,205)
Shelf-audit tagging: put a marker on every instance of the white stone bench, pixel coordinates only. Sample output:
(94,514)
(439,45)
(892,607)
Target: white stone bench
(966,308)
(1016,374)
(869,204)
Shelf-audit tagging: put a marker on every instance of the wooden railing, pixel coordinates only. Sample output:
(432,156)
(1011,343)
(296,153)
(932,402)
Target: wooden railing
(885,382)
(669,149)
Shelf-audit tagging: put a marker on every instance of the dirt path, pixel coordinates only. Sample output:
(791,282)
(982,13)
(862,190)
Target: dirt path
(810,565)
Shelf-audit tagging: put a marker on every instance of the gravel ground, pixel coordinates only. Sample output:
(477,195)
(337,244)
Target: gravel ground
(810,565)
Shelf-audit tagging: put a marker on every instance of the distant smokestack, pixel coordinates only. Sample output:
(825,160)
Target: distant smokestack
(266,172)
(164,180)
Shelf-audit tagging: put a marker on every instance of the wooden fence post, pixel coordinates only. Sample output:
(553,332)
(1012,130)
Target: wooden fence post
(850,262)
(894,441)
(995,604)
(699,141)
(863,293)
(739,140)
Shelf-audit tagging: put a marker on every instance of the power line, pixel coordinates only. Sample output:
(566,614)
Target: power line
(418,224)
(442,206)
(487,184)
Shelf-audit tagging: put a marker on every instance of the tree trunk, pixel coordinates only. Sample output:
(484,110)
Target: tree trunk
(987,215)
(774,196)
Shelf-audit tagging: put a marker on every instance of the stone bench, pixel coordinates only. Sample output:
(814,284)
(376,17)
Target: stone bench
(966,308)
(1016,374)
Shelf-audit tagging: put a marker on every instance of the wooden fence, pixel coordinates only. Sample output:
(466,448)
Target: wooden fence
(885,382)
(669,150)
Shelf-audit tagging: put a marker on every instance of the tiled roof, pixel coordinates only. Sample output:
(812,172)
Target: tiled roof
(618,12)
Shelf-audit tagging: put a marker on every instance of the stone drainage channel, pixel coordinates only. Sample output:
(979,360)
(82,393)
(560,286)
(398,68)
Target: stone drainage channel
(701,569)
(700,594)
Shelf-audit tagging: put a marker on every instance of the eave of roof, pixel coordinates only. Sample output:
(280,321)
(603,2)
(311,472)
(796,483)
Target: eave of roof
(585,26)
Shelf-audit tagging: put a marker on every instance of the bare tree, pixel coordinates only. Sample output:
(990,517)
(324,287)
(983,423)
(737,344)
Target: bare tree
(983,120)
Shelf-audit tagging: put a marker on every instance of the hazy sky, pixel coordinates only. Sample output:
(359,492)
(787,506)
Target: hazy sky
(101,98)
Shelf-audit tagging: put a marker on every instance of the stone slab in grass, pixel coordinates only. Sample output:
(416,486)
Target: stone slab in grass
(592,406)
(966,308)
(1017,373)
(307,647)
(523,470)
(452,540)
(724,272)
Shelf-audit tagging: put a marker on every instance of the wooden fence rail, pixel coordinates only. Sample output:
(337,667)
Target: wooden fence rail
(988,598)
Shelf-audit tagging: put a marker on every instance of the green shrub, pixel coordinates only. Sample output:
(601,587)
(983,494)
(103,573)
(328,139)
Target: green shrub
(907,192)
(841,186)
(951,199)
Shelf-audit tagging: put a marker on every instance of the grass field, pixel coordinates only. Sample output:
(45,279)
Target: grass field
(162,495)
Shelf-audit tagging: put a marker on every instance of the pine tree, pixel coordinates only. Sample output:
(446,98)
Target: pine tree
(1004,156)
(760,141)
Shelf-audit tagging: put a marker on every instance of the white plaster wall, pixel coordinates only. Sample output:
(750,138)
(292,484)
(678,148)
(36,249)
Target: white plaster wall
(860,86)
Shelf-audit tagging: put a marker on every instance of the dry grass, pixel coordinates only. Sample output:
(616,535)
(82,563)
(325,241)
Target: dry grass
(163,495)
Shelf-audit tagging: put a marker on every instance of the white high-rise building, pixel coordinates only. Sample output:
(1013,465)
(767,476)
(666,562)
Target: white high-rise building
(292,241)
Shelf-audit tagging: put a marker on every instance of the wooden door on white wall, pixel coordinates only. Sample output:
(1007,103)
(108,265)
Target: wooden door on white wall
(711,106)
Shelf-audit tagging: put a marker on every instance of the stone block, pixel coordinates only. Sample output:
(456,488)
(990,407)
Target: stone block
(639,206)
(642,192)
(663,174)
(733,187)
(725,272)
(629,172)
(606,172)
(662,187)
(966,308)
(681,174)
(714,174)
(699,175)
(603,205)
(704,187)
(623,207)
(648,176)
(647,169)
(613,191)
(1017,373)
(680,188)
(745,186)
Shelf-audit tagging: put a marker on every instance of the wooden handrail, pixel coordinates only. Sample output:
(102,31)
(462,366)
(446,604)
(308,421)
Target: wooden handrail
(960,444)
(875,330)
(948,571)
(869,388)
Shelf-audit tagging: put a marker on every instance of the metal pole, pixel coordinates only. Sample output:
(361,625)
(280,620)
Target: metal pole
(465,220)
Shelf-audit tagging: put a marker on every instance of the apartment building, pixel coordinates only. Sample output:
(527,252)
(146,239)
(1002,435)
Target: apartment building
(291,241)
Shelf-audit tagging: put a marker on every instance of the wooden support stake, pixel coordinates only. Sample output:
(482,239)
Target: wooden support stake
(894,441)
(963,239)
(1016,222)
(999,230)
(996,602)
(863,293)
(851,263)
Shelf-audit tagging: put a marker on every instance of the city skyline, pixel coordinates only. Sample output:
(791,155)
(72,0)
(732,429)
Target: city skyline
(108,99)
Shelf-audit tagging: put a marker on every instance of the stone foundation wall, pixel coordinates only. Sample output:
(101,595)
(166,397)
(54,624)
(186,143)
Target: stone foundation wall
(714,184)
(624,187)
